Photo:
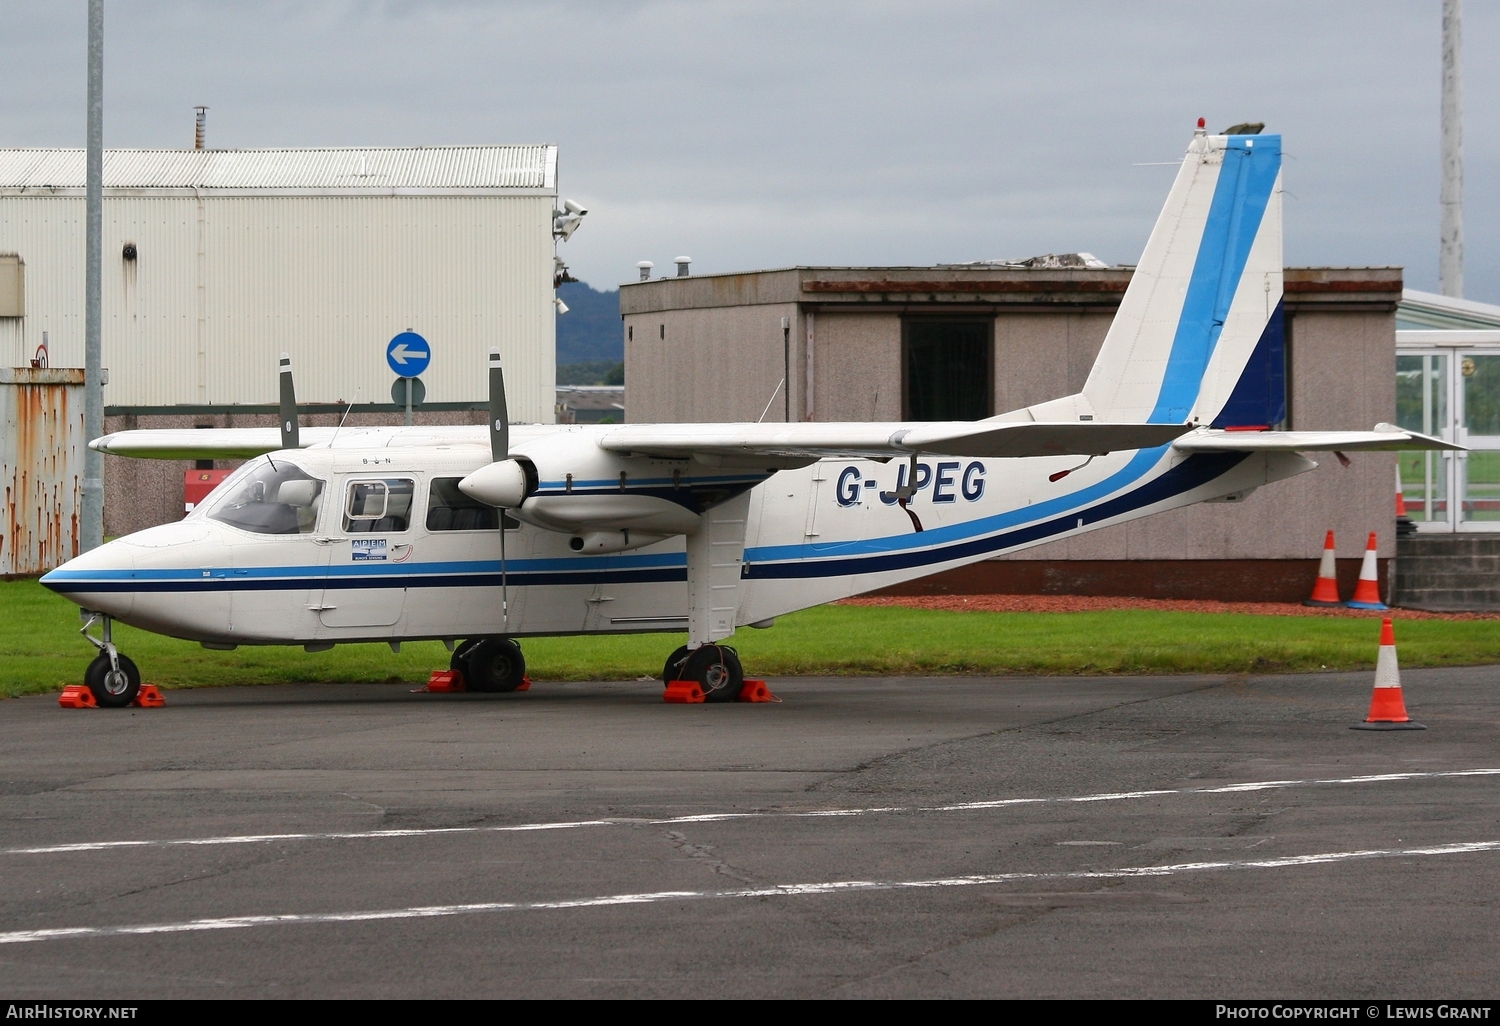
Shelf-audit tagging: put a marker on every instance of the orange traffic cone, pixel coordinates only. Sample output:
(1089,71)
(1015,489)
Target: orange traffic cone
(1326,589)
(1387,710)
(1400,494)
(1367,589)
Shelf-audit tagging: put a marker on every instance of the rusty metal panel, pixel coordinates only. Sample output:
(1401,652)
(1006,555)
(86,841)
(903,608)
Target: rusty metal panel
(41,467)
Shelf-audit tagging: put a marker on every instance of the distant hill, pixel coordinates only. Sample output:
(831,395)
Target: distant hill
(590,331)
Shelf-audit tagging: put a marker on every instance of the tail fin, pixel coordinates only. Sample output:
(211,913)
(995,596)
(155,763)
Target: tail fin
(1203,309)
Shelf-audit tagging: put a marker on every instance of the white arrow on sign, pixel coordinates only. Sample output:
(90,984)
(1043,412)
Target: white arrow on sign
(400,353)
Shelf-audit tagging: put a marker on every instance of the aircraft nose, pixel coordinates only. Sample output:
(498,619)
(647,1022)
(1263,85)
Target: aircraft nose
(101,579)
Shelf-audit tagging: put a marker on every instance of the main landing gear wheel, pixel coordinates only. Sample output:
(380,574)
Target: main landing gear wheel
(717,671)
(494,664)
(113,689)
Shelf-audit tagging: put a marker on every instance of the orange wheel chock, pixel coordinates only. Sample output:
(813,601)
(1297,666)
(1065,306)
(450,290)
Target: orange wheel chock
(76,696)
(685,692)
(525,684)
(756,691)
(443,682)
(149,697)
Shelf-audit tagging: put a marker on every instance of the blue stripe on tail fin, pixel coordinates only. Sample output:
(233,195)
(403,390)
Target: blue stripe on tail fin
(1248,174)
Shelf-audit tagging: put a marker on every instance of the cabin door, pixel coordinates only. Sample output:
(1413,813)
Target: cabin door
(371,537)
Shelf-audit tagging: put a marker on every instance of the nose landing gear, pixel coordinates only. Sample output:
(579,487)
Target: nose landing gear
(112,677)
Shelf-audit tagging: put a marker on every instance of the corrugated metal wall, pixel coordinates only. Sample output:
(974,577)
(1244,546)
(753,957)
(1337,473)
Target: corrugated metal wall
(222,284)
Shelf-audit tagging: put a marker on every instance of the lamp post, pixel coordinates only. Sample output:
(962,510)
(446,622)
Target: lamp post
(91,526)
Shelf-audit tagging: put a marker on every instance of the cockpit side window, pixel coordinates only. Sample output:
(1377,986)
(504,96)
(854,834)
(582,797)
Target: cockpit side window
(379,507)
(274,497)
(449,509)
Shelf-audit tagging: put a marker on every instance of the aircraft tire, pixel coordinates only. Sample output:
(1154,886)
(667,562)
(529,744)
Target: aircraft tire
(673,666)
(112,694)
(717,670)
(495,664)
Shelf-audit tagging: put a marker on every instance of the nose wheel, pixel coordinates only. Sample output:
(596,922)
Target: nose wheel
(112,676)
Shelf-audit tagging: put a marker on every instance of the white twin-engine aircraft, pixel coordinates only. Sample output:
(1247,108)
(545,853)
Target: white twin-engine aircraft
(480,537)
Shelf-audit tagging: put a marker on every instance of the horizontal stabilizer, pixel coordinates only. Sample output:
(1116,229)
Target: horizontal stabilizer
(815,441)
(1385,438)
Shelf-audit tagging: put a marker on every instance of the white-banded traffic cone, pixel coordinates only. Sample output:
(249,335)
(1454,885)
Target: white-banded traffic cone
(1326,588)
(1387,710)
(1367,589)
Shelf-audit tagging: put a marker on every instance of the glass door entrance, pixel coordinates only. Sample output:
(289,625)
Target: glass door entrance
(1453,394)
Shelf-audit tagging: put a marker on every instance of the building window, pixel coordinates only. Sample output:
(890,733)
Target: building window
(946,369)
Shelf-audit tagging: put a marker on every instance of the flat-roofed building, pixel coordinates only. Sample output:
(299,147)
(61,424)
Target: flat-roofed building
(217,261)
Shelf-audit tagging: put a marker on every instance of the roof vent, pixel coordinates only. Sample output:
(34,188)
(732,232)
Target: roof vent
(200,128)
(682,266)
(645,268)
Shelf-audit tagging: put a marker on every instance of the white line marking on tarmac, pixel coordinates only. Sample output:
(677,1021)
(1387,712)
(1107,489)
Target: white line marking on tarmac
(721,817)
(775,891)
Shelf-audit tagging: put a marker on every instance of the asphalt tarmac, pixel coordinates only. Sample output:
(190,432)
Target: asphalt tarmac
(923,837)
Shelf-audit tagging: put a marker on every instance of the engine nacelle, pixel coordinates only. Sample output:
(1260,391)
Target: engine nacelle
(505,483)
(613,541)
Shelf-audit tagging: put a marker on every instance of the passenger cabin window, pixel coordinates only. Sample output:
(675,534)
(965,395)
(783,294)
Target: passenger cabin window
(379,507)
(947,373)
(449,509)
(273,497)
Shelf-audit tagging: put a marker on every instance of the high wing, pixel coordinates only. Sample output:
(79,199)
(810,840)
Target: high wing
(204,444)
(1384,438)
(813,441)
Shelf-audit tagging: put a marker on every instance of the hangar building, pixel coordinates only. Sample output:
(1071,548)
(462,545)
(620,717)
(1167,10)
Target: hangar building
(968,341)
(217,261)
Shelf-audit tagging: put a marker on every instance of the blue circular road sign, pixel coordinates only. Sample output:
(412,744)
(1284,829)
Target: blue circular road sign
(408,354)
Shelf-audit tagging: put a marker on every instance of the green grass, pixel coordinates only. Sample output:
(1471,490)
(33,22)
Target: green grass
(40,649)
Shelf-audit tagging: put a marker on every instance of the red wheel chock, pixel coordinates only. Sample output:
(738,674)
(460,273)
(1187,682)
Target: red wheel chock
(443,681)
(690,692)
(686,692)
(76,696)
(756,691)
(451,681)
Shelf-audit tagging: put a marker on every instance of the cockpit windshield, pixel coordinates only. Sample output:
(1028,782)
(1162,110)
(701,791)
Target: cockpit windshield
(273,497)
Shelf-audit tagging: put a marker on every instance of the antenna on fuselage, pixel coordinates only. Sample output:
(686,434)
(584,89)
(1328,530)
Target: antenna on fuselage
(499,417)
(290,435)
(345,417)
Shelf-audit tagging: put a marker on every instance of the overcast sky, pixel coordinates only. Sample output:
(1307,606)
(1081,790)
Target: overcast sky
(753,135)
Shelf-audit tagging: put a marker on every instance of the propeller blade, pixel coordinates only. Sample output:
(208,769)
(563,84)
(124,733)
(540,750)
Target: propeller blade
(499,418)
(289,426)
